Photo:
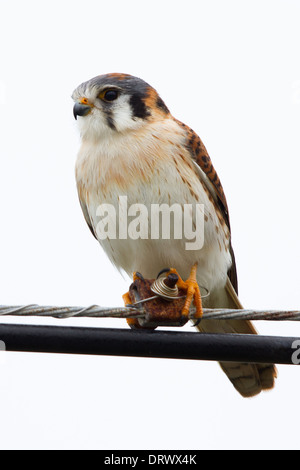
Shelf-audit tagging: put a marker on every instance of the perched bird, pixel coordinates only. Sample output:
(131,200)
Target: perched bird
(132,146)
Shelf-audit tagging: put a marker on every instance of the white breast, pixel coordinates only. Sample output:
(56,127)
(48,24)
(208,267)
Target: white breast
(142,168)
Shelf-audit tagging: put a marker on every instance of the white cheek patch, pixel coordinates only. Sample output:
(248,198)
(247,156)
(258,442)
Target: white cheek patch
(122,114)
(95,125)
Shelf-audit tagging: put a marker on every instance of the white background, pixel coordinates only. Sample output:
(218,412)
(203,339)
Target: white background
(231,71)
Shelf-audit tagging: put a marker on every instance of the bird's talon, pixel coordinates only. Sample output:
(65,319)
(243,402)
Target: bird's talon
(192,293)
(132,322)
(165,270)
(137,275)
(126,299)
(197,322)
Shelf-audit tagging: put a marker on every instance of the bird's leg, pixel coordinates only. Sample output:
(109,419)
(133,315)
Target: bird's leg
(132,322)
(192,293)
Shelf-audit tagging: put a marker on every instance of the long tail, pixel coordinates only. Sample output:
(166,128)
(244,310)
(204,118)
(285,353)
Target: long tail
(248,379)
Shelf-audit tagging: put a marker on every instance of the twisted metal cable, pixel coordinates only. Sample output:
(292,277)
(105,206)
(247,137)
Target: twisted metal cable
(95,311)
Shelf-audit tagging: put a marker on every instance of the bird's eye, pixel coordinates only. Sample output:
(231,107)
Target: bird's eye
(109,95)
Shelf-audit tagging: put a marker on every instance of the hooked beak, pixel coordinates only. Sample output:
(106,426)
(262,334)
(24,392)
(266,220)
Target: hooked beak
(82,108)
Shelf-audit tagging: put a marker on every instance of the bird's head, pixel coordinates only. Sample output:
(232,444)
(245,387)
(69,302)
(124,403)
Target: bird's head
(115,103)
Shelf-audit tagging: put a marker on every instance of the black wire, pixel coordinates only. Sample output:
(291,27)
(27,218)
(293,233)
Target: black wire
(145,343)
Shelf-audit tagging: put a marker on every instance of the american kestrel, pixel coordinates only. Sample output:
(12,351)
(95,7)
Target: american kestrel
(132,146)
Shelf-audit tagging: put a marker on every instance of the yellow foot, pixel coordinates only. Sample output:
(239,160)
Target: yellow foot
(192,293)
(132,322)
(126,299)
